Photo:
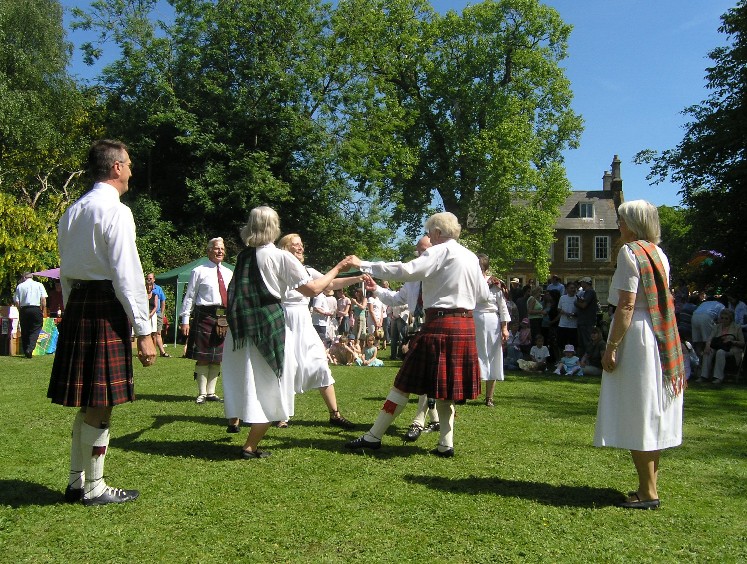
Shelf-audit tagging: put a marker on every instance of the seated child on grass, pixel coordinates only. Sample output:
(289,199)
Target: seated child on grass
(369,353)
(569,364)
(538,355)
(513,351)
(341,352)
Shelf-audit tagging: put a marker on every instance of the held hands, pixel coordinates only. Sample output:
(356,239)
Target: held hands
(370,283)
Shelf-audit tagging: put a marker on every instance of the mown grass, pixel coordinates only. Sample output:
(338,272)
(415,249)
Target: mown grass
(526,484)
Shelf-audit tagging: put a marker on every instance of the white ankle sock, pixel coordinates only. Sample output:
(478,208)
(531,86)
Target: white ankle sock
(395,404)
(77,476)
(445,410)
(94,443)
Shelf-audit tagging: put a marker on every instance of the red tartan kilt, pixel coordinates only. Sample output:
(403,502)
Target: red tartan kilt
(93,362)
(442,361)
(203,343)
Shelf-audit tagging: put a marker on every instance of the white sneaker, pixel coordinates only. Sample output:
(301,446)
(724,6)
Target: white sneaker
(200,399)
(557,372)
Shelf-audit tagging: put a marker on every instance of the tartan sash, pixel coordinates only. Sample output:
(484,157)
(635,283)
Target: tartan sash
(254,313)
(661,309)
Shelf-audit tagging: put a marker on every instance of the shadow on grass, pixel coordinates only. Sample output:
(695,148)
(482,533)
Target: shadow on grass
(547,494)
(165,398)
(20,493)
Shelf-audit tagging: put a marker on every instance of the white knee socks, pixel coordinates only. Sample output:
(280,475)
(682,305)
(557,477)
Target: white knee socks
(395,403)
(93,444)
(445,410)
(201,373)
(212,378)
(77,476)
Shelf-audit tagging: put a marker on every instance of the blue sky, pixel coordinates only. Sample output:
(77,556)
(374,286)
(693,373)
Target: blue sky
(634,65)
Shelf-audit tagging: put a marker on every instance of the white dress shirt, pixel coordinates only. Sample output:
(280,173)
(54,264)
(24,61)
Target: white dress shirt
(203,289)
(96,240)
(450,274)
(29,293)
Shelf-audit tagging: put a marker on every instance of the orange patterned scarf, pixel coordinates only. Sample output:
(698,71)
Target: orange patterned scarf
(661,309)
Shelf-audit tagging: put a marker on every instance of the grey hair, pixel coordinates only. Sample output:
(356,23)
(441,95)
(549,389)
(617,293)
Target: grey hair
(262,227)
(642,218)
(212,242)
(446,223)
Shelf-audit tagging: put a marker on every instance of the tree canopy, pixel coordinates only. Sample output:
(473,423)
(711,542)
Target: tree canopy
(710,163)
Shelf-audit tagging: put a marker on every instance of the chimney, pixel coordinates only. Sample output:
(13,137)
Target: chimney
(617,182)
(607,181)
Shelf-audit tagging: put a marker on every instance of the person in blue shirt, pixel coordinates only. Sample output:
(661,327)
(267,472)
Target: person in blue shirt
(158,291)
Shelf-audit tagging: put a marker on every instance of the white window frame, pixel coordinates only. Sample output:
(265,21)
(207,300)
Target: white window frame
(586,207)
(567,248)
(608,246)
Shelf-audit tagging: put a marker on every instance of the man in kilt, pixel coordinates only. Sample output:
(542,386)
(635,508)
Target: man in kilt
(442,361)
(104,296)
(206,299)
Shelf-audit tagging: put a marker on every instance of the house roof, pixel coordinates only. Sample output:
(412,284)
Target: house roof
(605,212)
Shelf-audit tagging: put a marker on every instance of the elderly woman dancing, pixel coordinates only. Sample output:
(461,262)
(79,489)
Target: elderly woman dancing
(442,360)
(259,385)
(643,378)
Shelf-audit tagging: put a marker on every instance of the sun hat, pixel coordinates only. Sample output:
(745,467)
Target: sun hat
(569,348)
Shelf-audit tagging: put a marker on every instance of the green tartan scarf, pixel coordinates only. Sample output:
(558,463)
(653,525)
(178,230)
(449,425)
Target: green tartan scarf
(254,313)
(661,309)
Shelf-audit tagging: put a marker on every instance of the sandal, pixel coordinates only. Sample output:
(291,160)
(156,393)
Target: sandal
(639,503)
(248,454)
(165,355)
(281,424)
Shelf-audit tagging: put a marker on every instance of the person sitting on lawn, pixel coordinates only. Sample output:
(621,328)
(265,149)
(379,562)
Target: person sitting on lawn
(513,352)
(570,363)
(369,353)
(341,352)
(591,362)
(538,355)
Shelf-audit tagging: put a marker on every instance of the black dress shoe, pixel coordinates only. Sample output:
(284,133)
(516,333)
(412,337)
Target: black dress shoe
(212,397)
(112,495)
(339,421)
(361,443)
(73,495)
(233,429)
(413,433)
(248,455)
(448,453)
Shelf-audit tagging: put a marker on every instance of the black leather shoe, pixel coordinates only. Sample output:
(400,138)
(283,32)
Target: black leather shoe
(448,453)
(413,433)
(73,495)
(112,495)
(212,397)
(361,443)
(233,429)
(247,455)
(339,421)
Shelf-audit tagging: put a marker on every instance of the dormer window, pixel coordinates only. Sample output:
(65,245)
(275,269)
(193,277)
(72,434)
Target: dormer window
(586,210)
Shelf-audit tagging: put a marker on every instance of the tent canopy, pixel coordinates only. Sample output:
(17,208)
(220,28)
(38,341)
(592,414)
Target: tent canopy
(51,273)
(179,277)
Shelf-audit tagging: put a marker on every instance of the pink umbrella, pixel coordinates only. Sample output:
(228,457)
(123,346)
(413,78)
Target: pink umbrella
(51,273)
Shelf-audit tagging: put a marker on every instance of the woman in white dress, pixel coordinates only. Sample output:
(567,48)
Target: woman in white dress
(640,401)
(307,358)
(491,332)
(259,383)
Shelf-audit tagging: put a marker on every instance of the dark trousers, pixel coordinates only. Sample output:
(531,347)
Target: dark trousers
(31,320)
(398,332)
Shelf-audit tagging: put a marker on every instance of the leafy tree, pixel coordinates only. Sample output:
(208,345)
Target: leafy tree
(28,242)
(472,110)
(678,240)
(710,163)
(45,120)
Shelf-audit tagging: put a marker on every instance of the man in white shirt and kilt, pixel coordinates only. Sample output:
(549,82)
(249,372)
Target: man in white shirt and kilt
(206,299)
(104,296)
(442,360)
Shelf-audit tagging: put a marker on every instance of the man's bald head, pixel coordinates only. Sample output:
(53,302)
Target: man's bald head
(423,245)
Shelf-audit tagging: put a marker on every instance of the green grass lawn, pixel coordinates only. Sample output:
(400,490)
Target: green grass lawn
(526,485)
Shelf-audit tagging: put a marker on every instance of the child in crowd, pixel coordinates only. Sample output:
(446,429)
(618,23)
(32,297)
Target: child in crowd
(569,364)
(354,345)
(513,351)
(369,353)
(539,355)
(591,362)
(341,353)
(525,337)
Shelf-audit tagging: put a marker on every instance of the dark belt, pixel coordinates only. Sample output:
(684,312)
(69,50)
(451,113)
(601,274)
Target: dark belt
(211,309)
(434,313)
(101,285)
(28,306)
